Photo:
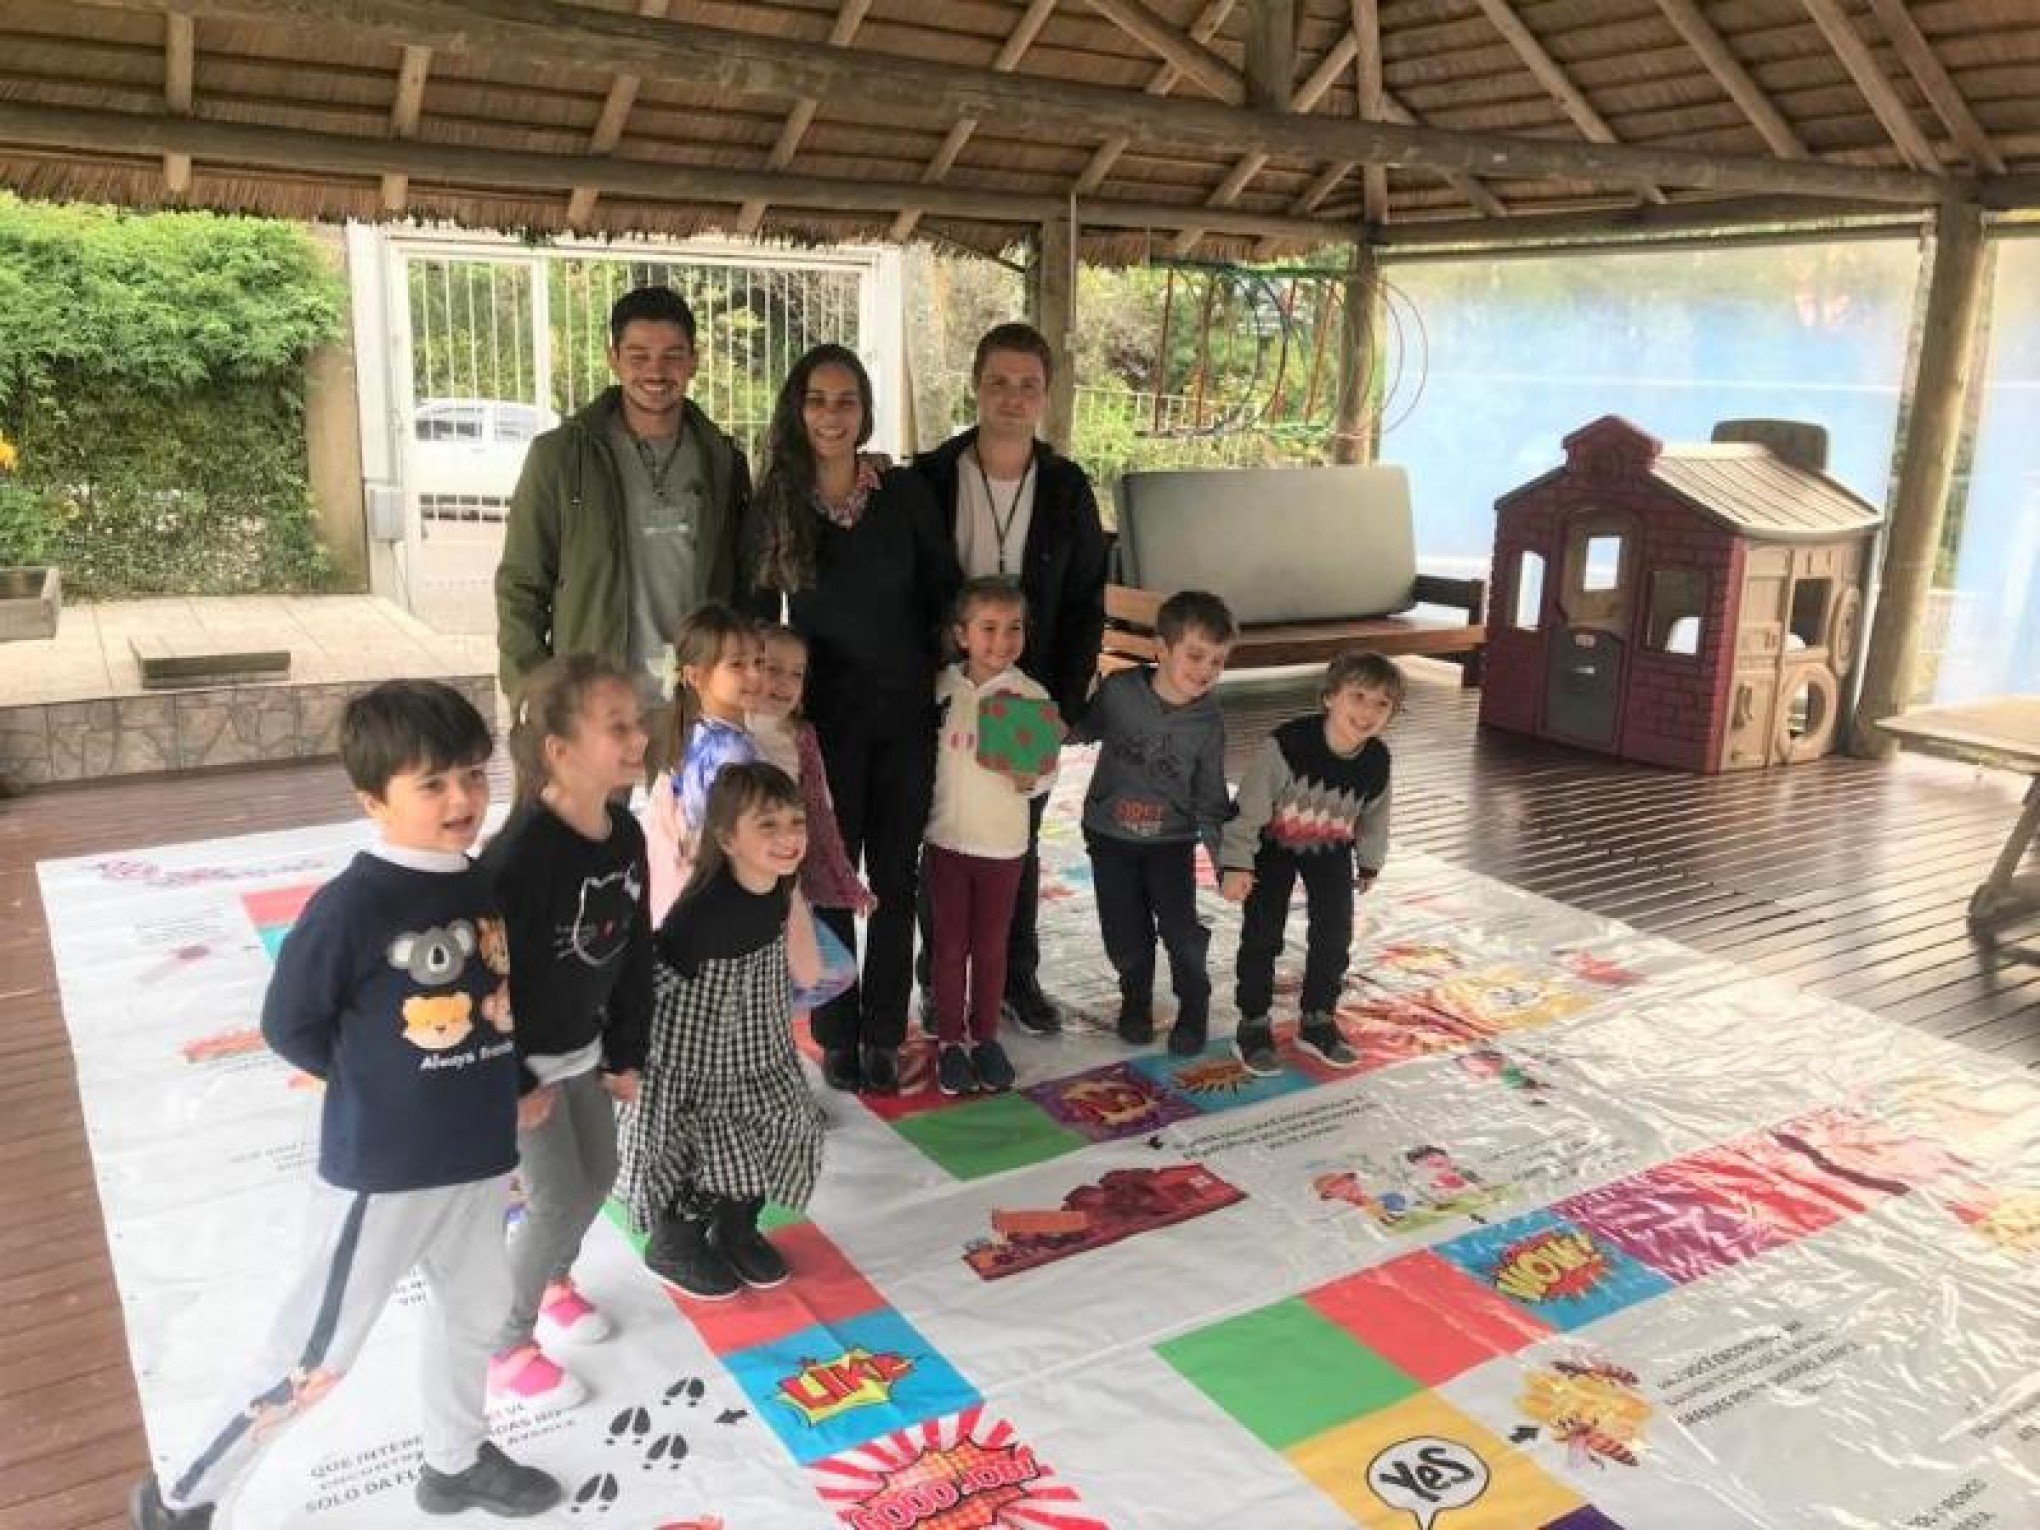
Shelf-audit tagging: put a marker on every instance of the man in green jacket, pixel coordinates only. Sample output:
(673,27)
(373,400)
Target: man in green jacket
(627,516)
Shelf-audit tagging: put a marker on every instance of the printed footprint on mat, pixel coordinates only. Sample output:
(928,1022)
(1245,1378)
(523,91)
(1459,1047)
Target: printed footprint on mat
(597,1495)
(630,1426)
(690,1387)
(668,1450)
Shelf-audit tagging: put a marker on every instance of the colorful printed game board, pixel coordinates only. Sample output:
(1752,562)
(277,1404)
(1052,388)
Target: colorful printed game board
(1601,1232)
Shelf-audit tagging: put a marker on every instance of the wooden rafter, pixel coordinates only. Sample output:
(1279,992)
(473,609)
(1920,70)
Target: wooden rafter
(1187,54)
(1160,83)
(1857,58)
(177,70)
(1691,23)
(1552,76)
(62,130)
(609,125)
(1022,38)
(1367,93)
(512,33)
(1920,61)
(412,72)
(848,19)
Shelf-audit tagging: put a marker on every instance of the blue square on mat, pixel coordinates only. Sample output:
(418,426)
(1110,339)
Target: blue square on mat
(1215,1079)
(1557,1270)
(824,1390)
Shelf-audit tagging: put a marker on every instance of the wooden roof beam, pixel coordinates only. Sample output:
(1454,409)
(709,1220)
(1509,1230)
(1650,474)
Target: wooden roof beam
(1017,43)
(1160,83)
(412,72)
(616,105)
(177,69)
(1691,23)
(512,33)
(61,130)
(1877,90)
(848,19)
(1555,80)
(1365,30)
(1920,60)
(1189,57)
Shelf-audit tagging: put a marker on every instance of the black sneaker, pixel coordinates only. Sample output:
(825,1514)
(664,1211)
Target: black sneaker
(1136,1020)
(680,1254)
(839,1069)
(750,1254)
(1187,1035)
(1255,1044)
(881,1066)
(993,1067)
(1032,1010)
(495,1483)
(1319,1036)
(952,1071)
(147,1512)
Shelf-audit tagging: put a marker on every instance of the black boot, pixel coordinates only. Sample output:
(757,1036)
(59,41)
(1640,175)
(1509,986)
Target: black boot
(679,1253)
(146,1511)
(881,1069)
(735,1235)
(840,1070)
(1136,1015)
(1031,1009)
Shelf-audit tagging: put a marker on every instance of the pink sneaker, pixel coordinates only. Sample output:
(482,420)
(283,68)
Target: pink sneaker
(565,1316)
(527,1377)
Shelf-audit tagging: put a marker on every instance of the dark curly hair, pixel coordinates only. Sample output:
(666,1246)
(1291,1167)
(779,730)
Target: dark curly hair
(783,503)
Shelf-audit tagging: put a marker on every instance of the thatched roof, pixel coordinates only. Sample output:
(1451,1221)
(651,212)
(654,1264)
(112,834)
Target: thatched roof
(1223,126)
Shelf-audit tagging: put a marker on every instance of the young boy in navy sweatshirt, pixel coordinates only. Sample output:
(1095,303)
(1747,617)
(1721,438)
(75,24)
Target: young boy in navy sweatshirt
(391,990)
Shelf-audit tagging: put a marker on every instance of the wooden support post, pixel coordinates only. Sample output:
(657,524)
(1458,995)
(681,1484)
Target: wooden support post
(1926,464)
(1359,358)
(1052,305)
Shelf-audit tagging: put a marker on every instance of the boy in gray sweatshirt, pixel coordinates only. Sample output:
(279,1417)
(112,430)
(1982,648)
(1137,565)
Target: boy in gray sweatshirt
(1159,788)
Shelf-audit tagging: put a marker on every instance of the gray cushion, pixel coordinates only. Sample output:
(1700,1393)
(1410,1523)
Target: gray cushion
(1288,544)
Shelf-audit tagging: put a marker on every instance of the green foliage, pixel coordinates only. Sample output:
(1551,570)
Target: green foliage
(151,373)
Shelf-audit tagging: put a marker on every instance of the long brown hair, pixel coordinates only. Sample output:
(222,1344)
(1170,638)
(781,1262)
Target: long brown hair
(550,704)
(744,786)
(787,534)
(698,643)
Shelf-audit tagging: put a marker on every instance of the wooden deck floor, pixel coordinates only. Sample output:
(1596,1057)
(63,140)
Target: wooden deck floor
(1849,878)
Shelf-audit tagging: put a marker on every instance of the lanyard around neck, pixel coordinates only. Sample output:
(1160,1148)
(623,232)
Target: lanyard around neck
(1002,525)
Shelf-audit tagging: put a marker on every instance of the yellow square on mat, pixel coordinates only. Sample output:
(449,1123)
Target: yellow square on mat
(1424,1463)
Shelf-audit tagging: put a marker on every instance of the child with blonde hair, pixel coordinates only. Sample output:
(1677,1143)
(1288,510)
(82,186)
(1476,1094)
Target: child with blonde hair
(570,873)
(716,656)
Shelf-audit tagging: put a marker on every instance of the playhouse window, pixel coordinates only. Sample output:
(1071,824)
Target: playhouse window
(1529,589)
(1594,591)
(1602,569)
(1808,628)
(1678,602)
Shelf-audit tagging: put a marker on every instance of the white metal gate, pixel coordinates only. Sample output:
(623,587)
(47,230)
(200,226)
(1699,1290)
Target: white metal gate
(470,347)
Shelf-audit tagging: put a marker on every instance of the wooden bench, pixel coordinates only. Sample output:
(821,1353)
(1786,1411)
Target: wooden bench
(1130,631)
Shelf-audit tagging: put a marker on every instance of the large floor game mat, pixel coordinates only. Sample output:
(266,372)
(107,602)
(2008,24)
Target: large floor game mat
(1602,1233)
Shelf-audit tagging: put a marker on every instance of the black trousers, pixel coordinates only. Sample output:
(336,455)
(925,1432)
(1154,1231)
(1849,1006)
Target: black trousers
(1023,936)
(1145,890)
(1328,940)
(881,773)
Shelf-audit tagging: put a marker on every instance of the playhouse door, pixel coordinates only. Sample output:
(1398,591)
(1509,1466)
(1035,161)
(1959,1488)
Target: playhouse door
(1583,686)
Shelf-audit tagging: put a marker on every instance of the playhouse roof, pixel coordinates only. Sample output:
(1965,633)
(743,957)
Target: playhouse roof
(1751,490)
(1187,125)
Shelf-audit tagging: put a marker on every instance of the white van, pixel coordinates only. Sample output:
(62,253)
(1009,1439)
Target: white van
(466,454)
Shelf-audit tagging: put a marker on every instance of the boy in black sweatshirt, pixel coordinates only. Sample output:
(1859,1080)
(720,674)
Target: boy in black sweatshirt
(391,990)
(1313,804)
(1158,789)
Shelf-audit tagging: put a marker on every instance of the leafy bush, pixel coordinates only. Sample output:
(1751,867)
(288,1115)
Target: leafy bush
(152,376)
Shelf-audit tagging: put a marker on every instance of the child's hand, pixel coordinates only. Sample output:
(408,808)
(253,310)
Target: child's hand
(867,903)
(533,1108)
(1024,784)
(870,465)
(1234,886)
(622,1087)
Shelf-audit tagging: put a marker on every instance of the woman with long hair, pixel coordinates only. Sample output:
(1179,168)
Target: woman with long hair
(868,572)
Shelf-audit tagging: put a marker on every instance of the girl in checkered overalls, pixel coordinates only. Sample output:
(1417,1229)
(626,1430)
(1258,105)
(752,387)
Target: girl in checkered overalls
(724,1119)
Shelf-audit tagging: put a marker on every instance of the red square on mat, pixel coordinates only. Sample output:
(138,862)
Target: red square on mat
(1425,1317)
(271,906)
(918,1094)
(825,1288)
(1760,1182)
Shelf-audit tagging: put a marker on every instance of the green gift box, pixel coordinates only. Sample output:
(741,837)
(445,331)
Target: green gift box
(1018,736)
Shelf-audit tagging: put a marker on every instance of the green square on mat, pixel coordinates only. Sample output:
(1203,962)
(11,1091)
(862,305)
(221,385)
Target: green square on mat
(775,1216)
(991,1133)
(1286,1372)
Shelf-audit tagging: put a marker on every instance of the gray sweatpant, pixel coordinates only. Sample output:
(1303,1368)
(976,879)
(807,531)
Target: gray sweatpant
(567,1164)
(360,1245)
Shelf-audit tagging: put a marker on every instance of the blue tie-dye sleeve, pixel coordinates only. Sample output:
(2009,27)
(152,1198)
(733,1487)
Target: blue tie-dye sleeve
(710,746)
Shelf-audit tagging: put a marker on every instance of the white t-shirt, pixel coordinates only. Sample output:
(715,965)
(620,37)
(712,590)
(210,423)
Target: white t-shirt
(980,515)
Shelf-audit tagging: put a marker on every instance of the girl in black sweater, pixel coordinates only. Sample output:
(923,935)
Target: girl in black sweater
(868,572)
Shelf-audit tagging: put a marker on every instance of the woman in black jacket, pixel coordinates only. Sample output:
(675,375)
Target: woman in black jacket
(868,573)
